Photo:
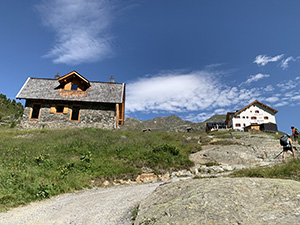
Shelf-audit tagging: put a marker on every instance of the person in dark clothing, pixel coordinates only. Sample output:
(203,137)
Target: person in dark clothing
(288,147)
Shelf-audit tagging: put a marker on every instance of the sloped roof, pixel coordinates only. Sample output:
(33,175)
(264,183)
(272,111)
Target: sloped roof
(48,89)
(256,103)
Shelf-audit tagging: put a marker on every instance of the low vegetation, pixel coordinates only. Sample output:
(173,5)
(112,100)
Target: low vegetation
(288,170)
(38,164)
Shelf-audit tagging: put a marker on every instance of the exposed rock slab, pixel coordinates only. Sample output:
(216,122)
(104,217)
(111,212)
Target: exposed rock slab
(223,201)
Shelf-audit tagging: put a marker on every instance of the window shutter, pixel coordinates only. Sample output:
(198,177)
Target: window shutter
(66,110)
(52,109)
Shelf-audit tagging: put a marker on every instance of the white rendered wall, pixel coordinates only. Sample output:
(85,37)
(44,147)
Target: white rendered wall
(247,117)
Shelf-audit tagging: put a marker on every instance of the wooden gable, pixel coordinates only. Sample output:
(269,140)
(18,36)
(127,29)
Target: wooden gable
(74,82)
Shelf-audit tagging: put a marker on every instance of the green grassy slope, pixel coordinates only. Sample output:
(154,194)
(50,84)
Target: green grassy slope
(41,163)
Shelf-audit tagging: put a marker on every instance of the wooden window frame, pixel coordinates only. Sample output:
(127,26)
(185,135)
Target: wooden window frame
(31,111)
(71,114)
(54,109)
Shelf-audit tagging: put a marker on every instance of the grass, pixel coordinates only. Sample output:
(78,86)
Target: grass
(38,164)
(288,170)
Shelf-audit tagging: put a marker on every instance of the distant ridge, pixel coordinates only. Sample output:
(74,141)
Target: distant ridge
(171,123)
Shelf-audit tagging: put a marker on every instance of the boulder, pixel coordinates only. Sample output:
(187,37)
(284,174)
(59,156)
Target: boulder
(223,201)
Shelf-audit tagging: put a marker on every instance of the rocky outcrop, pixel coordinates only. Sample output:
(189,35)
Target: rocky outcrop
(223,201)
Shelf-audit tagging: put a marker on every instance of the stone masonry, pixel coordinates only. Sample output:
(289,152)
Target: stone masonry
(96,115)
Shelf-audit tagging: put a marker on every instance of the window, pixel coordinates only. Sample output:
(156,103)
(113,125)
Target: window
(237,117)
(59,108)
(74,87)
(244,124)
(35,111)
(253,118)
(256,111)
(243,117)
(266,117)
(237,124)
(247,117)
(75,114)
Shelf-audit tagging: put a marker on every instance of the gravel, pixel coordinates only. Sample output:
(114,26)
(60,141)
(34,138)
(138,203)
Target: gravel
(105,206)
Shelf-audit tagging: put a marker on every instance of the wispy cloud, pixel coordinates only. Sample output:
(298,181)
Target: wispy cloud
(263,60)
(256,77)
(285,62)
(287,85)
(80,27)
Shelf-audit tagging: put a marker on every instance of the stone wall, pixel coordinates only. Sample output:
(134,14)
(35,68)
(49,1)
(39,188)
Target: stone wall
(91,115)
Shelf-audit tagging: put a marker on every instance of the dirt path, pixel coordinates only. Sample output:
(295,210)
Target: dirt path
(103,206)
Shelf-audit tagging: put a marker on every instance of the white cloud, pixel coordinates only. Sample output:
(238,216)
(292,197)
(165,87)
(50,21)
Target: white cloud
(185,92)
(171,92)
(269,88)
(282,103)
(220,111)
(284,63)
(198,117)
(272,99)
(80,28)
(263,60)
(256,77)
(287,85)
(295,98)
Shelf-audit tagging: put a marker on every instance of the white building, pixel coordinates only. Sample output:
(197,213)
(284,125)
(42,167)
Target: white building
(254,115)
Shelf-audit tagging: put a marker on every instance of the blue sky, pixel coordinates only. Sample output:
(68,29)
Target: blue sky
(191,58)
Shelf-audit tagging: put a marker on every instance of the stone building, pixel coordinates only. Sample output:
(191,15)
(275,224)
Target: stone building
(72,101)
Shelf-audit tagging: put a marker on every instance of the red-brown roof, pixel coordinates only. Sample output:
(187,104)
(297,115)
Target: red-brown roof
(258,103)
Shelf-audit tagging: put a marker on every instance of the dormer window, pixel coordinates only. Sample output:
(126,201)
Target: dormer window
(74,82)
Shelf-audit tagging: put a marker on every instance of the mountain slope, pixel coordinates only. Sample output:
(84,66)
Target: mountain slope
(171,123)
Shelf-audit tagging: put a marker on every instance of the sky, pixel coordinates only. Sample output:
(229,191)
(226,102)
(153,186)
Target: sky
(193,58)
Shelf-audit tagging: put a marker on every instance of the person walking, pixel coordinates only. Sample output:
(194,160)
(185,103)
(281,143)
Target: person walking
(295,133)
(288,147)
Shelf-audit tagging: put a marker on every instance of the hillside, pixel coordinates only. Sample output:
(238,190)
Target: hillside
(171,123)
(37,164)
(68,160)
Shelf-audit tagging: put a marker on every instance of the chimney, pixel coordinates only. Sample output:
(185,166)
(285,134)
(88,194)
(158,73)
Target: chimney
(56,76)
(111,80)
